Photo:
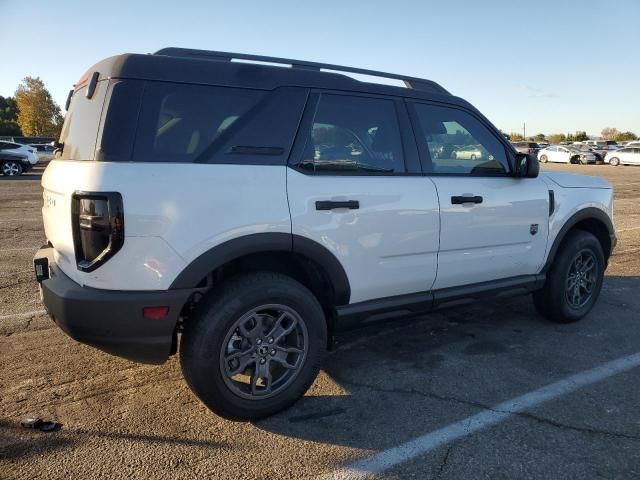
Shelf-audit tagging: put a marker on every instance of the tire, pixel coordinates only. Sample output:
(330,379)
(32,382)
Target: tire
(543,159)
(472,157)
(226,324)
(454,155)
(555,300)
(11,168)
(615,161)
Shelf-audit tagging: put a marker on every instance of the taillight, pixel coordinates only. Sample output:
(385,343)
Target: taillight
(97,221)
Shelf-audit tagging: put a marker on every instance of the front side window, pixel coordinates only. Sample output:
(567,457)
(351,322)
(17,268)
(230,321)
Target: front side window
(354,135)
(458,143)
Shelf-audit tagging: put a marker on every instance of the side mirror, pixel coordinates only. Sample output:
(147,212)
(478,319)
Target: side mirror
(527,165)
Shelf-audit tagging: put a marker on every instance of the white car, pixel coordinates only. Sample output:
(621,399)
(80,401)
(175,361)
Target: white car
(565,154)
(624,156)
(241,214)
(15,158)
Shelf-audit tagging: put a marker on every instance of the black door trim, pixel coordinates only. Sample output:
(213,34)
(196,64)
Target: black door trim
(353,315)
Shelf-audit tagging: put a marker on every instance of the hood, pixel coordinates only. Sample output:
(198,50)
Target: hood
(572,180)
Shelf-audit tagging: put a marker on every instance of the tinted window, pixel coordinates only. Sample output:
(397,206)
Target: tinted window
(180,123)
(81,122)
(355,135)
(9,146)
(458,143)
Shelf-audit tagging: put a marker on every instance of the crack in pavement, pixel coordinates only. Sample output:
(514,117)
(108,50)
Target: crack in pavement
(524,415)
(444,462)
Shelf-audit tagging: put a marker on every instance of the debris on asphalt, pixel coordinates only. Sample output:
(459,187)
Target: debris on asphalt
(37,423)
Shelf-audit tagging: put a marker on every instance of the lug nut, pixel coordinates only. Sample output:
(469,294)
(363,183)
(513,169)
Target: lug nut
(273,352)
(263,361)
(270,340)
(258,341)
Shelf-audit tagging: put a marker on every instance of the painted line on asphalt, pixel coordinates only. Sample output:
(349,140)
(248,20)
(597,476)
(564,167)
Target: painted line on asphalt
(392,457)
(17,316)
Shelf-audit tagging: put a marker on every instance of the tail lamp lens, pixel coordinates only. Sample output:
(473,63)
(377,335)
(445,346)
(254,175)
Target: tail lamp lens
(98,228)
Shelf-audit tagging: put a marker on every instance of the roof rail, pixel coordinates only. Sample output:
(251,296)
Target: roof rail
(410,82)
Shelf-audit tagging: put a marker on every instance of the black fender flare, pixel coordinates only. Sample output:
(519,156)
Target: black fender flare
(584,214)
(236,248)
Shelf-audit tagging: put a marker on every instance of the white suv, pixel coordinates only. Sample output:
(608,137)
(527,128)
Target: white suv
(244,212)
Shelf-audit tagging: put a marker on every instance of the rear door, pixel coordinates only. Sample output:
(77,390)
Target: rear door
(493,225)
(355,187)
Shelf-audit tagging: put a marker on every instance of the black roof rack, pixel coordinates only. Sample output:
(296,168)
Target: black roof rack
(410,82)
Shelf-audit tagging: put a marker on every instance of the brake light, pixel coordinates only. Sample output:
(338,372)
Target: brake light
(97,222)
(155,313)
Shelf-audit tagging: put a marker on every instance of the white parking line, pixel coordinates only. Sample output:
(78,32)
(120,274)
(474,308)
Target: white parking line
(419,446)
(17,316)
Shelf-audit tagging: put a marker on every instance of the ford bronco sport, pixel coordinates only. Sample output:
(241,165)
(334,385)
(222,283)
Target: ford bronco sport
(242,212)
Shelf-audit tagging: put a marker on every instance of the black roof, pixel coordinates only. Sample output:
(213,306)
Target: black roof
(216,68)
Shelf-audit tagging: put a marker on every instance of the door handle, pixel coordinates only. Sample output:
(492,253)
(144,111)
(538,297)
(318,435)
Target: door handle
(460,199)
(332,205)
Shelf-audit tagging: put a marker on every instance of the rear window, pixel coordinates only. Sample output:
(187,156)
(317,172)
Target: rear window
(181,123)
(80,128)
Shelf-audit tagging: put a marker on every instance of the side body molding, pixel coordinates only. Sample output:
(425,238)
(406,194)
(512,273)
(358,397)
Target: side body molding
(265,243)
(585,214)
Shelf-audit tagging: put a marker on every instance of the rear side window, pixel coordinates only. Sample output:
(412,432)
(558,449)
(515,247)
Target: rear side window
(179,123)
(80,128)
(354,135)
(458,143)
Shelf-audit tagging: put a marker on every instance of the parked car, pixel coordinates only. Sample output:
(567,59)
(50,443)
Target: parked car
(469,152)
(16,158)
(633,143)
(531,148)
(565,154)
(624,156)
(43,147)
(587,148)
(203,219)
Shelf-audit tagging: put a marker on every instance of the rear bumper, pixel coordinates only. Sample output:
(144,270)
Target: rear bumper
(112,320)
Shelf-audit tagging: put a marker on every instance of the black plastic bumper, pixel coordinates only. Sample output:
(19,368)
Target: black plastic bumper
(112,320)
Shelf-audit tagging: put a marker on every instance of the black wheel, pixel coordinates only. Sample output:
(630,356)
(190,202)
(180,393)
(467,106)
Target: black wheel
(543,159)
(615,161)
(254,347)
(11,168)
(574,280)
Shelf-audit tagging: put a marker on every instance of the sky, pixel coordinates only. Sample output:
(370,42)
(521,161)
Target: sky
(555,66)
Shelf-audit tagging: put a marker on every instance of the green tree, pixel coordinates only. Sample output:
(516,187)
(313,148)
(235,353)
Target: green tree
(38,114)
(625,137)
(557,138)
(570,138)
(9,117)
(581,136)
(540,137)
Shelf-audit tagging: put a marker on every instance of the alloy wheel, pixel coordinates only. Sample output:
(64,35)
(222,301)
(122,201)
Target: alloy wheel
(264,351)
(10,169)
(581,278)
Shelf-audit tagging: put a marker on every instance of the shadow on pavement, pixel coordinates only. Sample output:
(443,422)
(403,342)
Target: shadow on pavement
(419,375)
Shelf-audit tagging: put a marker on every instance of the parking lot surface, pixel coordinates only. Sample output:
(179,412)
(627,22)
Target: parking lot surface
(382,387)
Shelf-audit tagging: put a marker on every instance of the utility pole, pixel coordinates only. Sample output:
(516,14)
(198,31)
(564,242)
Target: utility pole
(524,130)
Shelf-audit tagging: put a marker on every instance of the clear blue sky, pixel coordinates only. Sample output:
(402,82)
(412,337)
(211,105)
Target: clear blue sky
(558,65)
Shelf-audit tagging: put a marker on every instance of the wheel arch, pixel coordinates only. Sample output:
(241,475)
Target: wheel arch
(592,220)
(271,251)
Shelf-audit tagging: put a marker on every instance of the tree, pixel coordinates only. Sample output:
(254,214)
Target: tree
(609,133)
(516,137)
(581,136)
(540,137)
(557,138)
(625,137)
(9,117)
(38,114)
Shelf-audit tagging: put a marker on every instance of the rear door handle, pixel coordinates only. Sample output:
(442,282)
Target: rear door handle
(460,199)
(332,205)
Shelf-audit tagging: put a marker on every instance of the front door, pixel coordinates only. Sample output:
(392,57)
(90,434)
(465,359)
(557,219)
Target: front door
(351,189)
(493,225)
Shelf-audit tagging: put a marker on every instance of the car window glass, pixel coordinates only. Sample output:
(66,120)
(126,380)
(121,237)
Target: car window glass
(354,135)
(178,122)
(458,143)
